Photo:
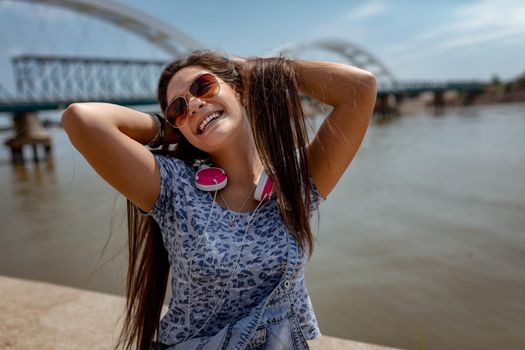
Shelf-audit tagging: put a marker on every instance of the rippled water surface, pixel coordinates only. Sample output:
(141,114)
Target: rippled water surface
(421,245)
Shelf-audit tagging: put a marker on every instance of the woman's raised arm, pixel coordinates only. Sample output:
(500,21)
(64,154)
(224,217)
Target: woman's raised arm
(111,138)
(352,93)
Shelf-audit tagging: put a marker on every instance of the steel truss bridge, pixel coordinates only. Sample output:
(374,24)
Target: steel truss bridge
(52,83)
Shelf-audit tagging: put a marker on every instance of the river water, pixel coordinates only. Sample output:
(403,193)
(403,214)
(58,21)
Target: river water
(420,246)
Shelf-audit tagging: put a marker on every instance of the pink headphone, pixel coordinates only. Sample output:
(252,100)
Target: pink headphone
(210,178)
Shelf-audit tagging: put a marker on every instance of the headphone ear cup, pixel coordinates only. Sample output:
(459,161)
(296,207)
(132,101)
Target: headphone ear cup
(210,179)
(264,188)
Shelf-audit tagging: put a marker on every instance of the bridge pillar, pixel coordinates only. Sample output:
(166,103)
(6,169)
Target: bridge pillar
(386,105)
(399,98)
(439,101)
(470,96)
(28,131)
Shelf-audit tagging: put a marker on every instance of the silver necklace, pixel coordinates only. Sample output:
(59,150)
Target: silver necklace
(236,265)
(231,217)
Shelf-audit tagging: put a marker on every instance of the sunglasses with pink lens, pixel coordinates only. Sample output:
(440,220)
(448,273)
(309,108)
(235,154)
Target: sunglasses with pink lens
(204,86)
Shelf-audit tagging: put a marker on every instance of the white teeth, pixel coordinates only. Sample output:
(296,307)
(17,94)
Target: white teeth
(208,119)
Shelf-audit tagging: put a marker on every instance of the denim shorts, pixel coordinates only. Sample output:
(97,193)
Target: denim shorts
(276,328)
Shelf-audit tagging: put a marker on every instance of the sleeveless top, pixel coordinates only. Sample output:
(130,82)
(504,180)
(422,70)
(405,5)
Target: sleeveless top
(224,263)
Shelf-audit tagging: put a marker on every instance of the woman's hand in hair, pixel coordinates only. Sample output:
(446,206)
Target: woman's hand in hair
(242,64)
(238,59)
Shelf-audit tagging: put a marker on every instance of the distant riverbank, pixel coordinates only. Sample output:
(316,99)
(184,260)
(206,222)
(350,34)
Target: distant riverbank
(492,97)
(452,98)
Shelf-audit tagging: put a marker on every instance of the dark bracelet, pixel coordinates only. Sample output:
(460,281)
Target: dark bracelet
(159,140)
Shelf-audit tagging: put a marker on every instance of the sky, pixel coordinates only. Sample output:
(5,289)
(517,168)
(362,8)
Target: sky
(416,40)
(437,40)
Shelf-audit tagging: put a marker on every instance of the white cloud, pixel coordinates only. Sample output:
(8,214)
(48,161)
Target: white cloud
(471,39)
(366,11)
(478,24)
(350,24)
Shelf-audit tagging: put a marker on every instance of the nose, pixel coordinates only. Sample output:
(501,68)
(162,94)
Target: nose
(194,104)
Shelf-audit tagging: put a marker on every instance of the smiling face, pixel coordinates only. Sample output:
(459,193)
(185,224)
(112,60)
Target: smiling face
(213,122)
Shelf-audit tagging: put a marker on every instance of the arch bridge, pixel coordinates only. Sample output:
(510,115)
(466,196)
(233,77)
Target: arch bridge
(50,82)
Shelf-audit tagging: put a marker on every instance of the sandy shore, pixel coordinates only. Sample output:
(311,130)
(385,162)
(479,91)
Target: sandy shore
(38,315)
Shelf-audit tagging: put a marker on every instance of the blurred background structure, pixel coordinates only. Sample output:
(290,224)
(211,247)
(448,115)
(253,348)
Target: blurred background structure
(421,245)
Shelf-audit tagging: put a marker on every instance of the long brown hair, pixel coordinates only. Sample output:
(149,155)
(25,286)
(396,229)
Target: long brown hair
(271,99)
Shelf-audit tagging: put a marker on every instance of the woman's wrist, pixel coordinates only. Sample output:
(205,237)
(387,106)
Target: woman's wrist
(158,139)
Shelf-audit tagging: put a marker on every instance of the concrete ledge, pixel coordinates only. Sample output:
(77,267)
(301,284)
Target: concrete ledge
(38,315)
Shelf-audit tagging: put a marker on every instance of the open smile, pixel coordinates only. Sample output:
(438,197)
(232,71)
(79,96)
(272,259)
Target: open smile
(208,120)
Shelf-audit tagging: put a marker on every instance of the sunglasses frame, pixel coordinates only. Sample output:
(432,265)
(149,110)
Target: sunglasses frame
(183,96)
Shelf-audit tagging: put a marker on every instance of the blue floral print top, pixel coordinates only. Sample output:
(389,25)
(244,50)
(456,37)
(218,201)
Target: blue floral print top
(220,273)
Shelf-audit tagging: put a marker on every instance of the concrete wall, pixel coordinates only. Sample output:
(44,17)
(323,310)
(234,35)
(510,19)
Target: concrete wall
(38,315)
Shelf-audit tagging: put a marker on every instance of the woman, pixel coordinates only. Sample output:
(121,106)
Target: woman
(237,262)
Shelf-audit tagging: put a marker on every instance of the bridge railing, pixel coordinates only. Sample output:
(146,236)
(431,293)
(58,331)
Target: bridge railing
(433,86)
